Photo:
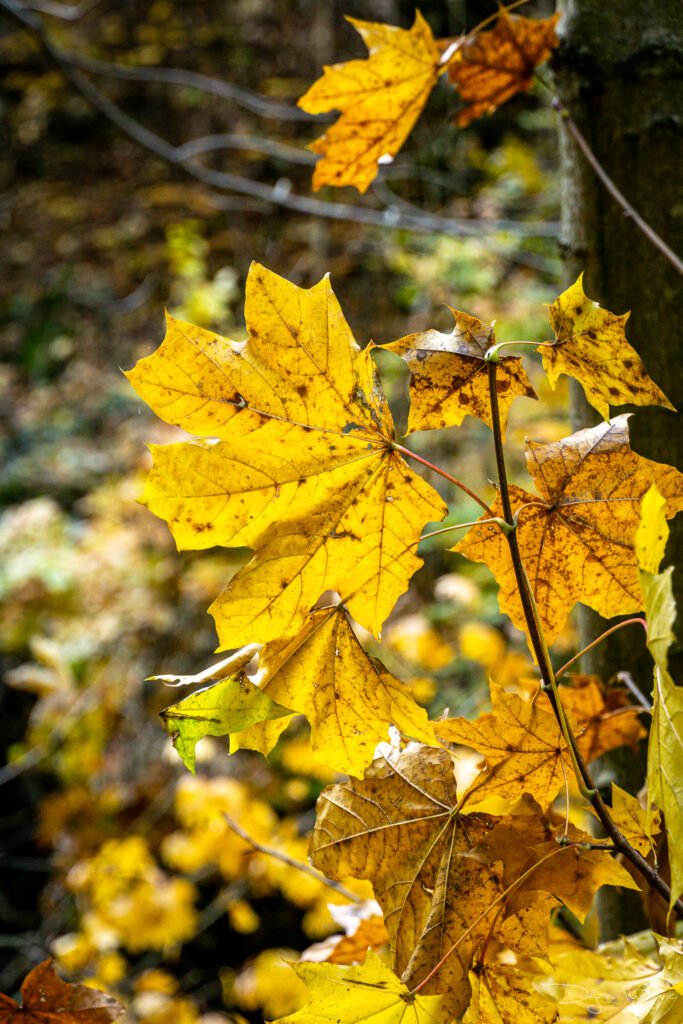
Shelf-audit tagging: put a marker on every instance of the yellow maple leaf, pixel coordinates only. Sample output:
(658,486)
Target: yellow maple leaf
(380,99)
(618,983)
(449,377)
(603,715)
(541,858)
(358,994)
(501,994)
(576,537)
(304,470)
(523,746)
(633,821)
(349,698)
(494,66)
(399,828)
(591,346)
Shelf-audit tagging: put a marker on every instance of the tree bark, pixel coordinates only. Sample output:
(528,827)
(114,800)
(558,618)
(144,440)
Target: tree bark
(619,73)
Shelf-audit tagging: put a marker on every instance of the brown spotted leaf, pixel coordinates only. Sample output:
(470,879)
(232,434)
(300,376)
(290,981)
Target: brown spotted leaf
(46,999)
(449,377)
(502,994)
(576,536)
(380,99)
(536,858)
(591,347)
(304,470)
(399,829)
(523,746)
(494,66)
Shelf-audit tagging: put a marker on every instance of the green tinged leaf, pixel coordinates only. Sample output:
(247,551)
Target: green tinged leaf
(225,707)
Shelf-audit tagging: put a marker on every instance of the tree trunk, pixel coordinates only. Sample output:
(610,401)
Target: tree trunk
(619,73)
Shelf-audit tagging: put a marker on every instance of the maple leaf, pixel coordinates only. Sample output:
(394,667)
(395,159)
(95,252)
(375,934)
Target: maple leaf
(528,845)
(523,746)
(591,347)
(349,698)
(230,704)
(577,538)
(46,999)
(400,829)
(449,377)
(494,66)
(501,994)
(622,986)
(633,821)
(358,994)
(304,470)
(380,99)
(603,716)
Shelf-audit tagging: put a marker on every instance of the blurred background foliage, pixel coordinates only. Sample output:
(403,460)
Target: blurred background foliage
(113,858)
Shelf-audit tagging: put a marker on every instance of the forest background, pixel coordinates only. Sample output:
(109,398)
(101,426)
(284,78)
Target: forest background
(113,858)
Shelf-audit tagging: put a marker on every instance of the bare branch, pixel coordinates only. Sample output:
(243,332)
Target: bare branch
(67,12)
(298,865)
(279,194)
(213,143)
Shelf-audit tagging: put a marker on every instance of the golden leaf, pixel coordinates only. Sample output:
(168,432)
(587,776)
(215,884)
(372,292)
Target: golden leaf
(449,378)
(494,66)
(591,347)
(399,829)
(653,531)
(380,99)
(304,470)
(502,994)
(349,698)
(577,538)
(633,821)
(529,846)
(358,994)
(523,746)
(619,984)
(603,715)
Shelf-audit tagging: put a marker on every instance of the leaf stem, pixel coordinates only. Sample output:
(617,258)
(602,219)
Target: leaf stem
(505,527)
(492,353)
(598,640)
(442,472)
(540,648)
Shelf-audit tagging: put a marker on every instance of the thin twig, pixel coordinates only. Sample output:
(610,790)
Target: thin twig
(298,865)
(616,193)
(627,679)
(279,194)
(598,640)
(535,629)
